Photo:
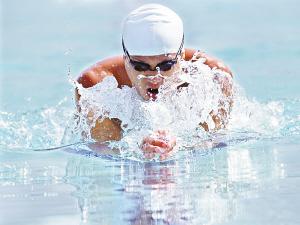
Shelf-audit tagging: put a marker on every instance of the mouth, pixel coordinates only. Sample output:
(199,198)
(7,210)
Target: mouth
(152,93)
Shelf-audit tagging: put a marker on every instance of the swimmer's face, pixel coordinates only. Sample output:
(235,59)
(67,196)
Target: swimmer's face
(147,82)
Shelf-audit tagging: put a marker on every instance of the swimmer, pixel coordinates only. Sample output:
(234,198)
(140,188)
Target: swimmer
(152,41)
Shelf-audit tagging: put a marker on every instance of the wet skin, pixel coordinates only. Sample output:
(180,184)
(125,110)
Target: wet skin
(147,82)
(161,141)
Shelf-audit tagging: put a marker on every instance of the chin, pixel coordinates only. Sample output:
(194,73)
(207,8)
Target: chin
(146,96)
(143,94)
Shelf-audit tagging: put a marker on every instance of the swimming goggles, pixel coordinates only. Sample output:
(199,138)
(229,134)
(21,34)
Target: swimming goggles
(163,66)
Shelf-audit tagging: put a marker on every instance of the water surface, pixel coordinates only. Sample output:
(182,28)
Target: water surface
(252,179)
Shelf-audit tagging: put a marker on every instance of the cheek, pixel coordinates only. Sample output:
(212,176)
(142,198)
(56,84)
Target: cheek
(174,70)
(131,73)
(133,76)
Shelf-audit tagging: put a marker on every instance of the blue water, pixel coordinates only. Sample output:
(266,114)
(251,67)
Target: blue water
(251,179)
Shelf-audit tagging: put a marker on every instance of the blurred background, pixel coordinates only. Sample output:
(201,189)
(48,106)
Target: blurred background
(44,43)
(42,40)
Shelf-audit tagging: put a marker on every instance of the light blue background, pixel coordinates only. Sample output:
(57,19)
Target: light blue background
(256,182)
(259,40)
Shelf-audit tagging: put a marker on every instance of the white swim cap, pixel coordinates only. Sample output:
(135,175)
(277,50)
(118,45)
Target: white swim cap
(152,29)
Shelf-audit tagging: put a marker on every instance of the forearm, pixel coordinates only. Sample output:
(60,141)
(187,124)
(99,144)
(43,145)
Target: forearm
(220,116)
(219,120)
(106,130)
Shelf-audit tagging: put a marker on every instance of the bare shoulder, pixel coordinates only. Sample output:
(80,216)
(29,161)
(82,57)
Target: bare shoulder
(211,61)
(189,53)
(113,66)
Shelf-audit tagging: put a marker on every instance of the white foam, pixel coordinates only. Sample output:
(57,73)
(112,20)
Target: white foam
(180,112)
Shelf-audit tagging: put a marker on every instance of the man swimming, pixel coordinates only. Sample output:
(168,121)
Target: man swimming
(152,41)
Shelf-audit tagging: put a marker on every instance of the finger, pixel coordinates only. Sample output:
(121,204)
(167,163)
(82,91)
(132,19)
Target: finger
(157,149)
(146,147)
(147,139)
(152,149)
(160,143)
(172,143)
(156,141)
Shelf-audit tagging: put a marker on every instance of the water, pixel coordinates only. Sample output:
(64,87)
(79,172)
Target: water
(250,177)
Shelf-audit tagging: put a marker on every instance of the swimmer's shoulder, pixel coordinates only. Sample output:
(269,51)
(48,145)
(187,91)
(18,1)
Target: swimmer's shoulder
(188,53)
(113,66)
(212,62)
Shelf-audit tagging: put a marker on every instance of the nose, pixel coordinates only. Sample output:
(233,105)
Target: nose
(156,80)
(151,72)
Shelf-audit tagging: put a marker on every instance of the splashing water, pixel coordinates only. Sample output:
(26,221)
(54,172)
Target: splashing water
(41,128)
(179,110)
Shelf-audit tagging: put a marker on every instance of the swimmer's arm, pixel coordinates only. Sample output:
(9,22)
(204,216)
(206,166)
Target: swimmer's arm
(104,130)
(107,129)
(220,118)
(209,60)
(221,115)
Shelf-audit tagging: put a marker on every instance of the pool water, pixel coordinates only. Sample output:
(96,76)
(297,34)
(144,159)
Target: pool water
(251,178)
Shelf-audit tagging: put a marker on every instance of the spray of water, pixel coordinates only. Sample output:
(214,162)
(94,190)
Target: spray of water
(185,100)
(179,108)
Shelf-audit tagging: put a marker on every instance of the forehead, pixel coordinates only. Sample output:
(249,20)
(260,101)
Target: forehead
(155,58)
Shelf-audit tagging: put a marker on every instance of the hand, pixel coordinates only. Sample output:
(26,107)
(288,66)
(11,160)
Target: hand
(160,142)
